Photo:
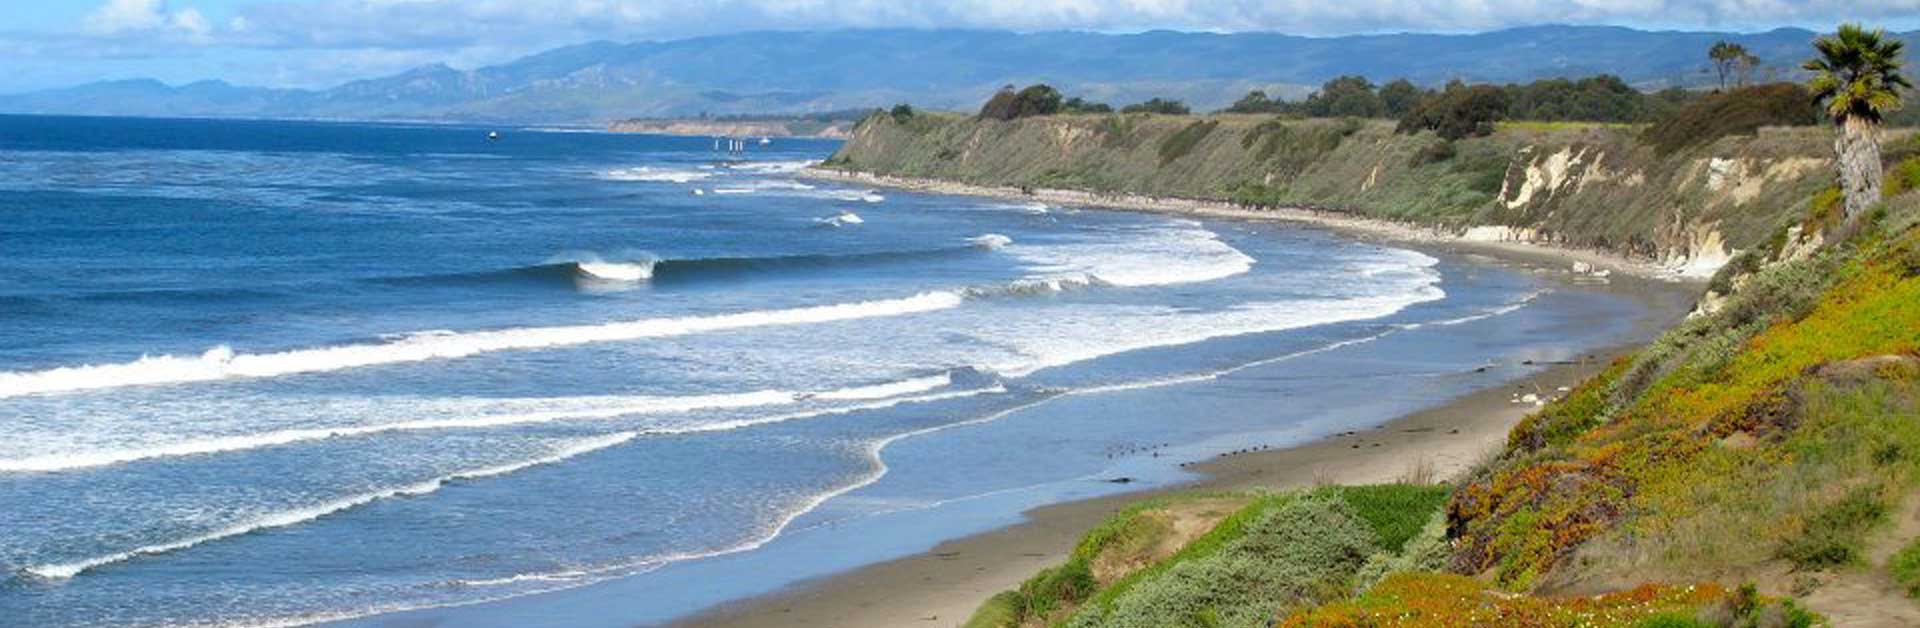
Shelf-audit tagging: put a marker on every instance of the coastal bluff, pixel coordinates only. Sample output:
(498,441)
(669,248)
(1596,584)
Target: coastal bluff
(1585,186)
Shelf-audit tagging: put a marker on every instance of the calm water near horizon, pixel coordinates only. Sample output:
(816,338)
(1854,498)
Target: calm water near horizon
(277,372)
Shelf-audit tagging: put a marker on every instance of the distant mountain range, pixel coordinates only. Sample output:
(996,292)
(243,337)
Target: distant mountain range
(773,72)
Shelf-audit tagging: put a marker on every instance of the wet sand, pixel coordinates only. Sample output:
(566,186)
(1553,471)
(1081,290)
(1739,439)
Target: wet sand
(943,586)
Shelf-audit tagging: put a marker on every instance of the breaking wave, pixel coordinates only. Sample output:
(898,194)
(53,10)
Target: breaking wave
(61,571)
(222,362)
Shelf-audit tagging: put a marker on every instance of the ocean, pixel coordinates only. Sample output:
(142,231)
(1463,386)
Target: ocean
(268,373)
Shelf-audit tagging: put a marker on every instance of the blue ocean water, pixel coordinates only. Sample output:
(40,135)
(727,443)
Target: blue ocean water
(275,372)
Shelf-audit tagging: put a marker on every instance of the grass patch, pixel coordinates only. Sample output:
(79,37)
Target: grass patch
(1902,177)
(1432,599)
(1904,567)
(1395,512)
(1003,609)
(1182,142)
(1836,535)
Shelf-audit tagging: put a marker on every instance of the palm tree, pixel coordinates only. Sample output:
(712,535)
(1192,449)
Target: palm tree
(1857,76)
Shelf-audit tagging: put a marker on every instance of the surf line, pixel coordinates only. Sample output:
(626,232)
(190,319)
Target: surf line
(222,363)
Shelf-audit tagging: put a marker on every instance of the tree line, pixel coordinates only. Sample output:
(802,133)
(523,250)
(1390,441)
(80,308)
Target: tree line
(1602,98)
(1043,100)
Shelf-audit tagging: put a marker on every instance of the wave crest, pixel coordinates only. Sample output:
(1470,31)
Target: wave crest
(222,362)
(62,571)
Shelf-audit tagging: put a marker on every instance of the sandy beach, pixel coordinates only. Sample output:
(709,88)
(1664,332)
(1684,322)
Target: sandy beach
(942,587)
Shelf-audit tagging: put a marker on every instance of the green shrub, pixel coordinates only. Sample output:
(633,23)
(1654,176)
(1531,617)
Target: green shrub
(1183,141)
(1484,171)
(1426,551)
(1056,587)
(1674,620)
(1432,153)
(1158,105)
(1292,146)
(1905,568)
(1000,611)
(1836,535)
(1738,112)
(1077,104)
(1298,552)
(1825,211)
(1118,132)
(1903,177)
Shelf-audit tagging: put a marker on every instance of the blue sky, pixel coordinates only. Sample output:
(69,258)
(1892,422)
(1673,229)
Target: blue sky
(317,43)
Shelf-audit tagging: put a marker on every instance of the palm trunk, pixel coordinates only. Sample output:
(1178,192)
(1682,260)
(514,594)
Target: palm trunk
(1858,152)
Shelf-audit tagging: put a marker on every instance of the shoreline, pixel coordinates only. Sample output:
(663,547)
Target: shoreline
(945,584)
(1489,238)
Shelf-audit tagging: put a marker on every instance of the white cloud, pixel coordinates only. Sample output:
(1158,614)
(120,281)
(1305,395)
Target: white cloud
(119,16)
(147,17)
(431,23)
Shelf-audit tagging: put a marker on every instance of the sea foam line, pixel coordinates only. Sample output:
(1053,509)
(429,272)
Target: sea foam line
(876,469)
(223,363)
(61,571)
(1176,380)
(625,407)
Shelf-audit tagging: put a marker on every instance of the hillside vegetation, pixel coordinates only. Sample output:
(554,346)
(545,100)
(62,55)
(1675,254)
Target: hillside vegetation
(1755,466)
(1687,198)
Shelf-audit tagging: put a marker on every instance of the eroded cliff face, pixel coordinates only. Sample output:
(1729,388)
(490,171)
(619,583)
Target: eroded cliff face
(1571,185)
(1705,206)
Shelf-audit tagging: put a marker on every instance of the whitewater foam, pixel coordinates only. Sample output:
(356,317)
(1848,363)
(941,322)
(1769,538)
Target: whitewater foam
(223,362)
(842,219)
(774,167)
(565,409)
(615,271)
(990,241)
(62,571)
(1182,253)
(650,174)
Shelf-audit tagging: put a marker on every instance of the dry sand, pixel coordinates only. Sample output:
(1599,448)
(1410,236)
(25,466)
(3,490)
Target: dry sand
(943,586)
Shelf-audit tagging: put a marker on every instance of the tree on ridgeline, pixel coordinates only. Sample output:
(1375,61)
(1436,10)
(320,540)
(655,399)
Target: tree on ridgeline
(1077,104)
(1036,100)
(1601,98)
(1857,77)
(1255,101)
(1346,97)
(1399,98)
(1158,105)
(1731,59)
(901,113)
(1459,111)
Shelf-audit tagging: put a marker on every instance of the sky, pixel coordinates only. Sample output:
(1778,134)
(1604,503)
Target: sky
(320,43)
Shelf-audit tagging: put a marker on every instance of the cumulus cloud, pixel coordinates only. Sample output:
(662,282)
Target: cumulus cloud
(147,17)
